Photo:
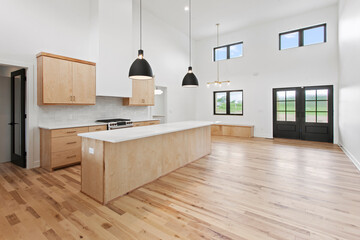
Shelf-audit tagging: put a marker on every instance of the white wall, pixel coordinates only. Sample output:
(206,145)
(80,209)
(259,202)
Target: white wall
(166,49)
(5,118)
(349,93)
(263,67)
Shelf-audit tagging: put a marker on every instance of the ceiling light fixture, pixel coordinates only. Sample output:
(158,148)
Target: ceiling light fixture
(217,82)
(140,69)
(186,8)
(190,80)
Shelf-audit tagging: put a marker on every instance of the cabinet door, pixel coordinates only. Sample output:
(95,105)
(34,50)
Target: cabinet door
(57,81)
(84,83)
(150,99)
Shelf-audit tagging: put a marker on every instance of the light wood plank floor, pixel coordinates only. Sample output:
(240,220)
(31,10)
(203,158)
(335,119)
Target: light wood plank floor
(246,189)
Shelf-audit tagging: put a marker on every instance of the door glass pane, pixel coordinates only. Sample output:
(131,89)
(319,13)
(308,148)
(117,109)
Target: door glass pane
(290,95)
(236,106)
(314,35)
(291,116)
(322,106)
(280,96)
(322,94)
(322,117)
(17,116)
(236,50)
(220,53)
(289,40)
(310,106)
(290,106)
(310,117)
(281,106)
(220,99)
(280,116)
(310,95)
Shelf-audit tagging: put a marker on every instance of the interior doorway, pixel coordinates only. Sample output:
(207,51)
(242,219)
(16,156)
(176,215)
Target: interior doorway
(159,110)
(12,115)
(303,113)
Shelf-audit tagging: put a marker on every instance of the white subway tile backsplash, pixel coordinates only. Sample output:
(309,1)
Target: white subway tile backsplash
(106,107)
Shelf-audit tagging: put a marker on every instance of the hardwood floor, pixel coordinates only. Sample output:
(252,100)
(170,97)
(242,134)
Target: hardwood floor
(246,189)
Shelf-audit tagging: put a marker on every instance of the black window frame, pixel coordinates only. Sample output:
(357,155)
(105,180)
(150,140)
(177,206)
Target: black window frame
(227,51)
(301,35)
(228,103)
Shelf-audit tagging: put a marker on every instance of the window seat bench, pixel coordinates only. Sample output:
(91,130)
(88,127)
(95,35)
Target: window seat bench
(234,130)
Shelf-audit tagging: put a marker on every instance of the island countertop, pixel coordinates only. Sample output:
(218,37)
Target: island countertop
(127,134)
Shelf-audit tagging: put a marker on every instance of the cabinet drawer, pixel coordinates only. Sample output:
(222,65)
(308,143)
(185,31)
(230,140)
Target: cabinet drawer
(65,143)
(138,124)
(65,158)
(153,123)
(68,132)
(97,128)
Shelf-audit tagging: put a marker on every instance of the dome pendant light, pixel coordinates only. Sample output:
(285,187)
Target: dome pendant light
(190,80)
(141,69)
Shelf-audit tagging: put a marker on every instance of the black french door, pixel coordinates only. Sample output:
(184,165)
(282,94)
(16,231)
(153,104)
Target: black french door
(18,148)
(303,113)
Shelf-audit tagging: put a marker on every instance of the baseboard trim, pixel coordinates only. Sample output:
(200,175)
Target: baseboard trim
(352,157)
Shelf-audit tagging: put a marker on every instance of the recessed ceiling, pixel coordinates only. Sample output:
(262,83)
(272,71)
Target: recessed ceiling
(231,14)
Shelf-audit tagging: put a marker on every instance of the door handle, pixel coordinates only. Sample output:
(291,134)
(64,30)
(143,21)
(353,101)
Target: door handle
(12,124)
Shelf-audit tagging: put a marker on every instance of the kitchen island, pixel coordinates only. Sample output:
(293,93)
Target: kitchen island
(119,161)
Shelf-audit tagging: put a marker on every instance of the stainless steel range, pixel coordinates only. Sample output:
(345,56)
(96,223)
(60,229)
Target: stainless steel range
(116,123)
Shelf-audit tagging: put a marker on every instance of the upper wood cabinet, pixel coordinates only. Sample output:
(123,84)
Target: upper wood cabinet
(142,93)
(65,81)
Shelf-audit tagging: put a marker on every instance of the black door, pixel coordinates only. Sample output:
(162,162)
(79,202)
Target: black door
(303,113)
(18,149)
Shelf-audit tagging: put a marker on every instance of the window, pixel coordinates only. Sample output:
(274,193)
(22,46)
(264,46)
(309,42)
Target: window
(228,51)
(316,106)
(303,37)
(228,102)
(286,106)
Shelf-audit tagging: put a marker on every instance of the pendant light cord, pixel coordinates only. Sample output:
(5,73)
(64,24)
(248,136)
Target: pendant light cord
(140,24)
(190,8)
(217,62)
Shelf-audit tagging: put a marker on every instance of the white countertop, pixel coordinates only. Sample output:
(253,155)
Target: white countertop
(52,126)
(126,134)
(231,124)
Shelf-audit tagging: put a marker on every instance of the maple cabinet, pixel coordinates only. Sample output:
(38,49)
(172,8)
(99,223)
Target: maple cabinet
(142,93)
(65,81)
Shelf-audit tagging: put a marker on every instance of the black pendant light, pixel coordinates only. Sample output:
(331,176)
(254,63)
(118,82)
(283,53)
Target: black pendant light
(190,80)
(141,69)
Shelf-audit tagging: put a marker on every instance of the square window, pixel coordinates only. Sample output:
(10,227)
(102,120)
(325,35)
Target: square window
(322,117)
(289,40)
(236,50)
(314,35)
(322,94)
(280,96)
(220,53)
(322,106)
(228,103)
(290,95)
(291,116)
(310,117)
(290,106)
(310,106)
(281,116)
(281,106)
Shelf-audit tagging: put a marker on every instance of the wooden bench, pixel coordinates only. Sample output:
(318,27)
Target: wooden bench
(233,130)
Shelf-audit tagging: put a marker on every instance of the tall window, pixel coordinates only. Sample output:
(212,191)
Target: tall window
(303,37)
(228,102)
(286,106)
(316,106)
(228,51)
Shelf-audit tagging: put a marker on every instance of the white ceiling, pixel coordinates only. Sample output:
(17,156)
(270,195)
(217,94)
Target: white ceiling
(231,14)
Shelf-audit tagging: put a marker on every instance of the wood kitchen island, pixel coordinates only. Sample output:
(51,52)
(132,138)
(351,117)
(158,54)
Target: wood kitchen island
(119,161)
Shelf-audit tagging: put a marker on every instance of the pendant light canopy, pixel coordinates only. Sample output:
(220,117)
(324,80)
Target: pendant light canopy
(141,69)
(190,80)
(218,83)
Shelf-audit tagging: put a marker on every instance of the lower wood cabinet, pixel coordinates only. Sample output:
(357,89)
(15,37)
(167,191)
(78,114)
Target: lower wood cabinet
(146,123)
(232,130)
(62,147)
